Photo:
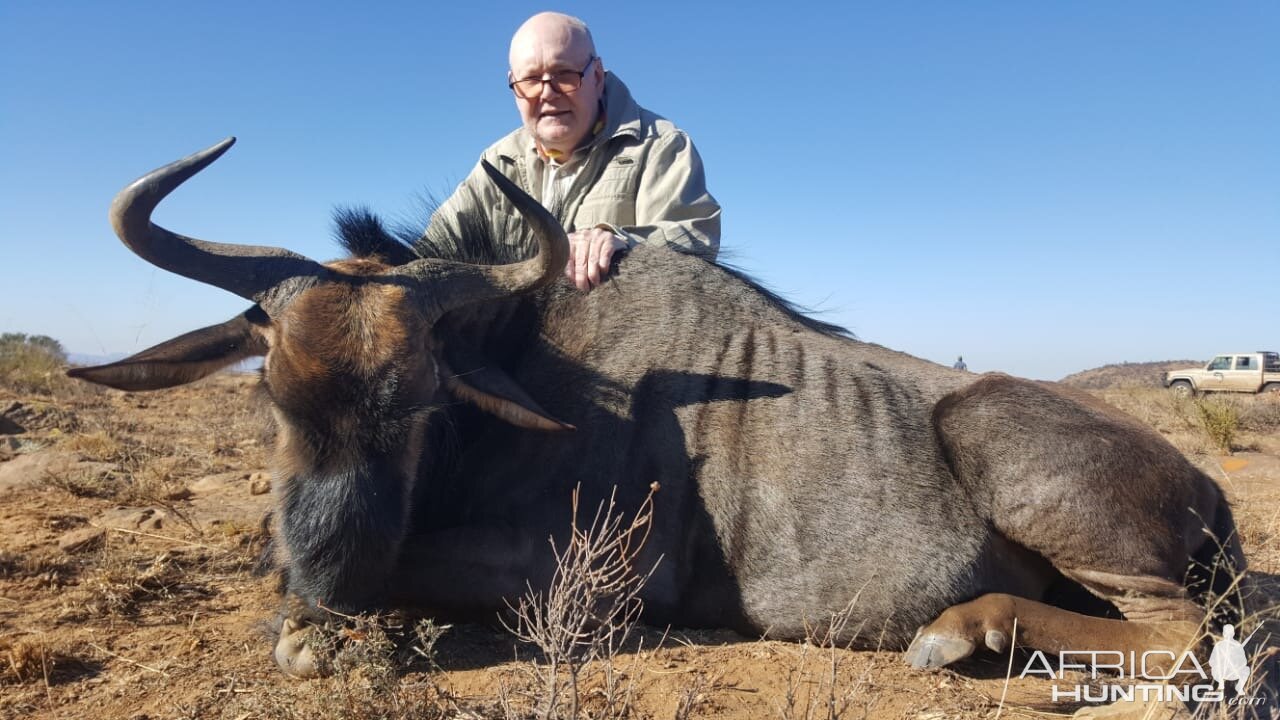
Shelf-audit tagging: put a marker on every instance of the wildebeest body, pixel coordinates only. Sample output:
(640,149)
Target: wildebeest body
(799,469)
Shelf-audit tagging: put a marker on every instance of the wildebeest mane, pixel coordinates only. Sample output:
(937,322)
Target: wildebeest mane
(802,315)
(363,234)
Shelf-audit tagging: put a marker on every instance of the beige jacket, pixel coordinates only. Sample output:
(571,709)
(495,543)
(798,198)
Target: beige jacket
(641,178)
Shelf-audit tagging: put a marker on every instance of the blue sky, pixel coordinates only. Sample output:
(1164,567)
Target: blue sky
(1043,187)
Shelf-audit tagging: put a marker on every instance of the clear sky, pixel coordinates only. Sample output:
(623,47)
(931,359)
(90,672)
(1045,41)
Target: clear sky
(1043,187)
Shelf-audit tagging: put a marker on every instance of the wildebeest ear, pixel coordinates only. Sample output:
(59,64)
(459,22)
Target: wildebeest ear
(186,358)
(496,393)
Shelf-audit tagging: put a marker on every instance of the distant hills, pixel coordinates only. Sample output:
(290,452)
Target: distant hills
(1144,374)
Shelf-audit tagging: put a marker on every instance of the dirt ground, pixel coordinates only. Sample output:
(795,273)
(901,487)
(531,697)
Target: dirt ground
(131,526)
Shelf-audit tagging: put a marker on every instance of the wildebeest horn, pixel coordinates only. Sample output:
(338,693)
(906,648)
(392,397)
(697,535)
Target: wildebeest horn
(268,276)
(454,284)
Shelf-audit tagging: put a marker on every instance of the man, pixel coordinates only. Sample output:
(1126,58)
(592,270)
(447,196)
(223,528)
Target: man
(613,173)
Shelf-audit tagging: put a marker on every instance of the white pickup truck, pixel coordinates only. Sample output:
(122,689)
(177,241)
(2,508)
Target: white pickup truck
(1235,372)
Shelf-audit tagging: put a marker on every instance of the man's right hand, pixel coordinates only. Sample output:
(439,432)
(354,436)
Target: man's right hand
(590,253)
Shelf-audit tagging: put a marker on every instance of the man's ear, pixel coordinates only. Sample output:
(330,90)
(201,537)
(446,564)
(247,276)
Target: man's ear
(186,358)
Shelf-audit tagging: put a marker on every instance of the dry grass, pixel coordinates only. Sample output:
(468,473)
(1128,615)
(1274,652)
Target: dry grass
(123,582)
(1217,423)
(99,446)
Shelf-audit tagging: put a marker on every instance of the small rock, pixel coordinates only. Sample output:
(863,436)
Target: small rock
(86,538)
(30,469)
(132,518)
(259,483)
(222,482)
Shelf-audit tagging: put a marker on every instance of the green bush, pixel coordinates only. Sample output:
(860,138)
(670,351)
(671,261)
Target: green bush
(1220,419)
(32,363)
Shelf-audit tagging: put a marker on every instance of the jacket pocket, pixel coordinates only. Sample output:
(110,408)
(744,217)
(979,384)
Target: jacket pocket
(608,208)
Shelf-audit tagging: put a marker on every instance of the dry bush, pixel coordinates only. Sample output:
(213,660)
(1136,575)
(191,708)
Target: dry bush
(1220,420)
(34,659)
(33,364)
(375,646)
(585,617)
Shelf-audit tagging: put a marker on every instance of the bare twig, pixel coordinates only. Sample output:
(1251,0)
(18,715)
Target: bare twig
(590,608)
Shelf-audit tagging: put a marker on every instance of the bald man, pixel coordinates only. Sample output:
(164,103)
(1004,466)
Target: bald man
(613,173)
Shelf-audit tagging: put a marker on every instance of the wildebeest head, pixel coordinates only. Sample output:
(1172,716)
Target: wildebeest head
(349,367)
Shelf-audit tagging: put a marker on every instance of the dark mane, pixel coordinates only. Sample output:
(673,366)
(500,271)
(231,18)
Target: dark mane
(802,315)
(363,234)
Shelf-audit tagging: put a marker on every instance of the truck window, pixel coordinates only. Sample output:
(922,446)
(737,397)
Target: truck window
(1222,362)
(1244,362)
(1271,362)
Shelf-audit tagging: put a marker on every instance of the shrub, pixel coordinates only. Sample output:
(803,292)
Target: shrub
(32,363)
(1220,420)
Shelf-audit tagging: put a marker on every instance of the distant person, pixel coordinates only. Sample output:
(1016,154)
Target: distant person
(959,363)
(613,173)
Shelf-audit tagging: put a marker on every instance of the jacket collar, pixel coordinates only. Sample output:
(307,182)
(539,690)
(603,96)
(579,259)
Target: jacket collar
(622,114)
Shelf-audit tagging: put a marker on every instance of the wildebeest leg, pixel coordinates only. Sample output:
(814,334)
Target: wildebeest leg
(989,622)
(1104,500)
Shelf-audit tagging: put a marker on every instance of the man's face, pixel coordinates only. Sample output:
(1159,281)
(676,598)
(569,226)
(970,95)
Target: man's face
(560,121)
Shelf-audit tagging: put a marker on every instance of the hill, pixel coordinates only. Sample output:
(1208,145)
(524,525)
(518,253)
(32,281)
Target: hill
(1127,374)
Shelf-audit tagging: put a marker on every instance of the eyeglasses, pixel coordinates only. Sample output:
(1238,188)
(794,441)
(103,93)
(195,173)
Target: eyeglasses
(563,82)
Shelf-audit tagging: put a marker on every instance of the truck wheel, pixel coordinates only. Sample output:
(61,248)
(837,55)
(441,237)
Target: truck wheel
(1273,388)
(1182,388)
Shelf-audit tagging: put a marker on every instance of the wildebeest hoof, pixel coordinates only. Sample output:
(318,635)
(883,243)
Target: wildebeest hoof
(934,650)
(292,653)
(996,641)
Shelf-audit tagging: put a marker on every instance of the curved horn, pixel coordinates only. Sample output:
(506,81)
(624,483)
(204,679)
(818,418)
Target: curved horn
(268,276)
(453,284)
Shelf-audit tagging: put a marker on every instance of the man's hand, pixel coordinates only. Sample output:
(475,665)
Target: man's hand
(590,252)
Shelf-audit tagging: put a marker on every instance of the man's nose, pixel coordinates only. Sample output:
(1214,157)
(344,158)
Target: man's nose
(548,90)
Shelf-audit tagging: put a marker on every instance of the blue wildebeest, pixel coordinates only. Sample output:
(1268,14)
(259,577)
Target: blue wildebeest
(437,404)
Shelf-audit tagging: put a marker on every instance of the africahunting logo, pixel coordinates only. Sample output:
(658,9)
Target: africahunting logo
(1151,676)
